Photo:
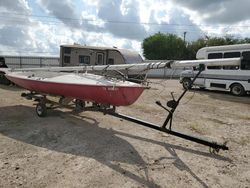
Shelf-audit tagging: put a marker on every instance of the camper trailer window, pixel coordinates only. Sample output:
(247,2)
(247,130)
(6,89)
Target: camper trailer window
(67,50)
(84,59)
(231,54)
(111,61)
(67,59)
(214,55)
(245,64)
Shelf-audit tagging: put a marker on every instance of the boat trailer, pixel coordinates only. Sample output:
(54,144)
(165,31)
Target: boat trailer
(41,109)
(173,104)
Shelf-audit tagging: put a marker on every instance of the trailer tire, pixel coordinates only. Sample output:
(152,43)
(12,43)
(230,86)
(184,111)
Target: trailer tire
(41,109)
(186,83)
(237,90)
(80,105)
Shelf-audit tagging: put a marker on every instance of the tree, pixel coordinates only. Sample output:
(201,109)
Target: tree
(169,46)
(163,46)
(193,47)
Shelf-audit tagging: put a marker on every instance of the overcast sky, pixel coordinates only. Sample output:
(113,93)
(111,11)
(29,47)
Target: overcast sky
(39,27)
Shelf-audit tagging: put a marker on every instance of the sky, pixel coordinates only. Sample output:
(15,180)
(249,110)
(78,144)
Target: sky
(39,27)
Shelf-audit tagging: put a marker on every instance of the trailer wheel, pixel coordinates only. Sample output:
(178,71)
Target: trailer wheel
(79,105)
(237,90)
(186,83)
(41,109)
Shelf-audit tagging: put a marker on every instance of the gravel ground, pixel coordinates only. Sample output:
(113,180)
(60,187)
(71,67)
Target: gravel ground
(96,150)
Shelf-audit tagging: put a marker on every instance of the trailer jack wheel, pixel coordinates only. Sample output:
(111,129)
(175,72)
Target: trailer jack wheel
(214,150)
(41,109)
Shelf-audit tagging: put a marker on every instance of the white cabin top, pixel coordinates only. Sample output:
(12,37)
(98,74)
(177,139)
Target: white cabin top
(203,52)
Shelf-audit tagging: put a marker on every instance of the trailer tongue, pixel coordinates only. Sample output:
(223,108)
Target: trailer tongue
(173,104)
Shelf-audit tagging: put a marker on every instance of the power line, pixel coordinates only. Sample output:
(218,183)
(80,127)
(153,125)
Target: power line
(126,22)
(54,23)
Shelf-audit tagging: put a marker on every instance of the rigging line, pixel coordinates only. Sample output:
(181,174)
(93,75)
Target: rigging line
(158,92)
(170,78)
(164,88)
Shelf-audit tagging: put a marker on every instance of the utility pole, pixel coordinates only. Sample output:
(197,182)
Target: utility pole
(184,36)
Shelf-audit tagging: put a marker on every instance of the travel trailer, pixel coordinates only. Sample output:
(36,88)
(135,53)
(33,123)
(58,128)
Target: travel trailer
(73,55)
(235,79)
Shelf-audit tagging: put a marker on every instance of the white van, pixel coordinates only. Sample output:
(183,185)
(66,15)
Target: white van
(235,79)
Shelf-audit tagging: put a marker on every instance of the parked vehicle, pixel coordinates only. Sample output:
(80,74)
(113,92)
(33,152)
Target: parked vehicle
(235,79)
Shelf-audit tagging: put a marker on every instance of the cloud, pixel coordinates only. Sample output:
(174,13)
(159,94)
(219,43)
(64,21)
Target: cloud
(220,12)
(43,25)
(19,6)
(63,11)
(28,40)
(16,36)
(126,17)
(13,13)
(178,22)
(111,17)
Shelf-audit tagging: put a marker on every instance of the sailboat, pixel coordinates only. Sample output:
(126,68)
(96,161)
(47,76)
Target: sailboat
(77,83)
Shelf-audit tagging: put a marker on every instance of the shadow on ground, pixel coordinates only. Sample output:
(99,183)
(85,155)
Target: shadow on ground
(11,87)
(83,137)
(222,95)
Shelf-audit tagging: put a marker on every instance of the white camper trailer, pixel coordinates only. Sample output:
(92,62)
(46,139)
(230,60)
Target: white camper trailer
(73,55)
(235,79)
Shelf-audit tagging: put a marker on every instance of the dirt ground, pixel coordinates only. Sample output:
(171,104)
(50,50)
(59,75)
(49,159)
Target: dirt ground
(95,150)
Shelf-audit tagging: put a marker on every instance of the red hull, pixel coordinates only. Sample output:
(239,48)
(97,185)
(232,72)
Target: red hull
(116,96)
